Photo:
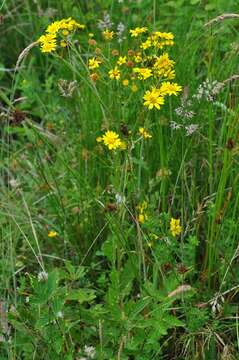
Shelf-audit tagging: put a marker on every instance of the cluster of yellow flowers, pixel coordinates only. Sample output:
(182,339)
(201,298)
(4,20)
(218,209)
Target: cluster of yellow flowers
(155,96)
(144,133)
(58,30)
(112,140)
(175,227)
(142,215)
(145,62)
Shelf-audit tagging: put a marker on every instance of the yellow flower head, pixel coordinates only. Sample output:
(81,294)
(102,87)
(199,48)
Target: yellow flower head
(122,60)
(142,218)
(138,57)
(65,32)
(144,133)
(143,73)
(163,66)
(168,88)
(145,45)
(134,88)
(111,140)
(52,234)
(175,227)
(93,63)
(47,38)
(125,82)
(63,43)
(161,39)
(108,35)
(54,27)
(153,99)
(114,73)
(138,31)
(48,47)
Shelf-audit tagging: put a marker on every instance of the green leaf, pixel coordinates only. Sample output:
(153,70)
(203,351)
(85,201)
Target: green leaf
(44,290)
(81,295)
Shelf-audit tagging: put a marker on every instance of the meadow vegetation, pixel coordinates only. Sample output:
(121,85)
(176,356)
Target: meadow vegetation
(119,180)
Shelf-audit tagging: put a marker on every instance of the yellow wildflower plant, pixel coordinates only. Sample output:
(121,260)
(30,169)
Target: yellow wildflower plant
(175,227)
(49,41)
(153,99)
(114,73)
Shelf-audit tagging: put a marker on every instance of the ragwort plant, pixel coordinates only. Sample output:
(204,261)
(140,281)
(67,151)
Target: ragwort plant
(131,220)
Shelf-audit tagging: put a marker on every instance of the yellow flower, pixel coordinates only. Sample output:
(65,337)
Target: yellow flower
(134,88)
(163,66)
(54,27)
(168,88)
(175,227)
(143,73)
(138,58)
(108,35)
(143,206)
(142,218)
(125,82)
(52,234)
(161,39)
(144,133)
(63,43)
(153,99)
(138,31)
(65,32)
(122,60)
(99,139)
(111,140)
(93,63)
(114,73)
(47,38)
(123,145)
(145,45)
(48,47)
(70,24)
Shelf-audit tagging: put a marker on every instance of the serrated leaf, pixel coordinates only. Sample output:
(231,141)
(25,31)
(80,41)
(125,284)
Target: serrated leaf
(81,295)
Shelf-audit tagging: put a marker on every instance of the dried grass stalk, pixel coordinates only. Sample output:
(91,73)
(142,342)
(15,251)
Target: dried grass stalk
(24,53)
(222,18)
(180,290)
